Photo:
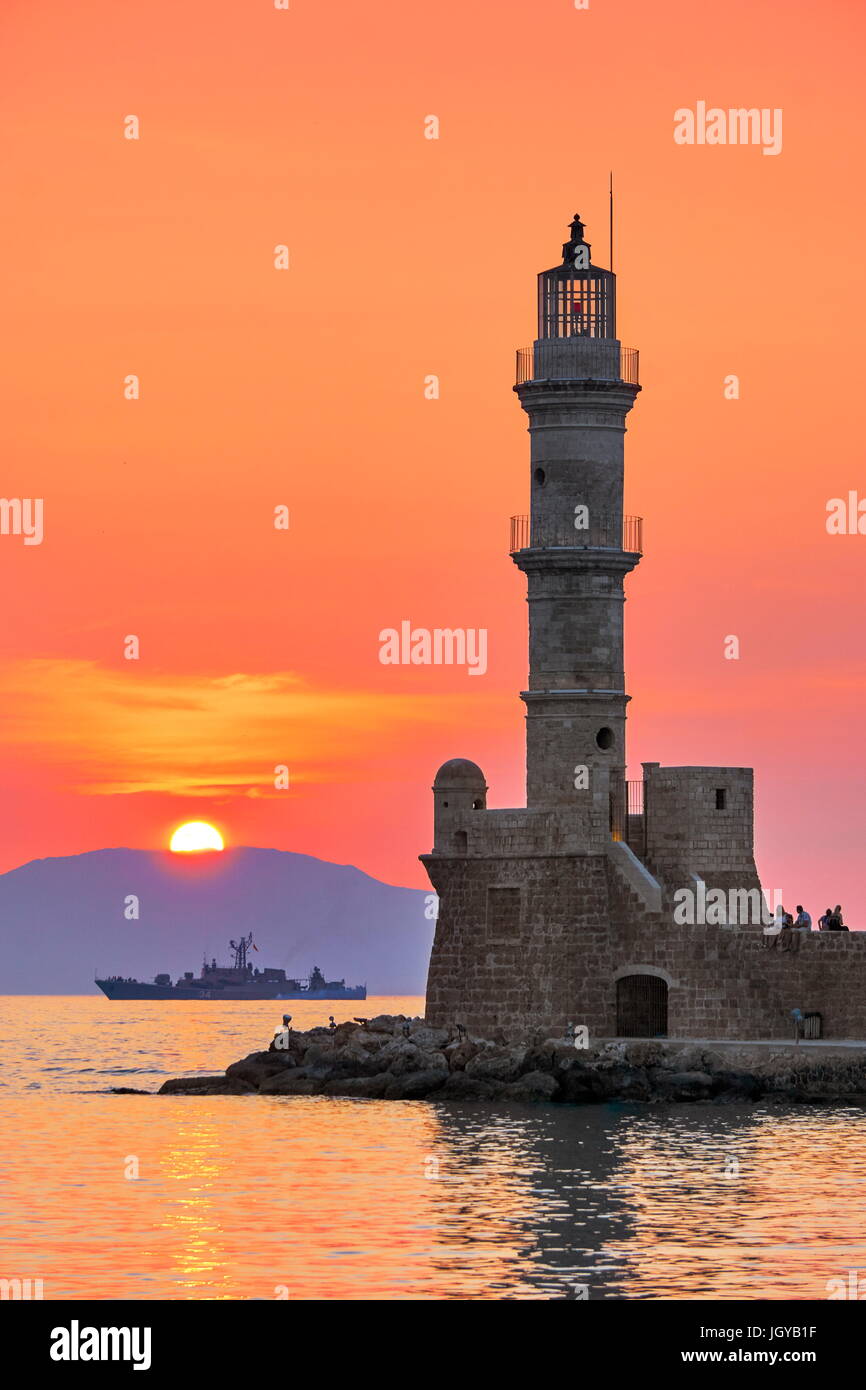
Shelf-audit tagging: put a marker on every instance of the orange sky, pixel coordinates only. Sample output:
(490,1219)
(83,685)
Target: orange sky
(305,388)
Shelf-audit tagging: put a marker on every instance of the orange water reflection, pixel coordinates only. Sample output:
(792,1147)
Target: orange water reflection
(761,1205)
(326,1198)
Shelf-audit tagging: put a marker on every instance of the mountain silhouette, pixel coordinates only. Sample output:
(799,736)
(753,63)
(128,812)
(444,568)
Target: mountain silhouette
(63,920)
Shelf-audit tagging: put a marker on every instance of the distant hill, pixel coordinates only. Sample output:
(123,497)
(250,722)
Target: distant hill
(62,920)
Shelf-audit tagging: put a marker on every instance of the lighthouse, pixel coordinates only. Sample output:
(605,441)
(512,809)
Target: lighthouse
(577,384)
(563,910)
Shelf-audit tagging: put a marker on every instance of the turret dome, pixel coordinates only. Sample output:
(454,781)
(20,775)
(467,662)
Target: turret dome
(459,773)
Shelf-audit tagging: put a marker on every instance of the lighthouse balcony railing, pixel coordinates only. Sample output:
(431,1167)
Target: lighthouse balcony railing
(529,534)
(578,359)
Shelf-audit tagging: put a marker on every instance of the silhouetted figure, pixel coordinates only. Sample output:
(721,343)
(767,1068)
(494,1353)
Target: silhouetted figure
(824,922)
(331,1024)
(789,940)
(836,921)
(773,932)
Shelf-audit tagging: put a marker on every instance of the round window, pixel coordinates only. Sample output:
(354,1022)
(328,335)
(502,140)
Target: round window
(604,738)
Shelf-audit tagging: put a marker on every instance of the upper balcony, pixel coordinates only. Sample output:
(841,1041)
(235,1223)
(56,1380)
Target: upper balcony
(578,359)
(599,535)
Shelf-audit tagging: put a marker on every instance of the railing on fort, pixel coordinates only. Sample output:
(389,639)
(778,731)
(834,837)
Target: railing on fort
(628,814)
(599,535)
(578,359)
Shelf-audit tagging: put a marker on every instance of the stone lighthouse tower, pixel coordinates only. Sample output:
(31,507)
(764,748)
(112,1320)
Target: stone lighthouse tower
(564,909)
(576,384)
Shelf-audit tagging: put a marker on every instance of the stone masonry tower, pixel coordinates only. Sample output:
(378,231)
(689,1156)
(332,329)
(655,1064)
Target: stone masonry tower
(576,384)
(566,909)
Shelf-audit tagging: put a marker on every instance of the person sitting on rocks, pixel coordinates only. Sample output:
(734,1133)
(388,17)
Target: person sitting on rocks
(824,922)
(804,921)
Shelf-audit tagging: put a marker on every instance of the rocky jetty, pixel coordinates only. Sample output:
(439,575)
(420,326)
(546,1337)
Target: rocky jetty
(394,1058)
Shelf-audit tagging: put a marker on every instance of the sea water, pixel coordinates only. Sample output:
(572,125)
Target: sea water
(108,1196)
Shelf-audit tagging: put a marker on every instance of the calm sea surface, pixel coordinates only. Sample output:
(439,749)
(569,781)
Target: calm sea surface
(321,1198)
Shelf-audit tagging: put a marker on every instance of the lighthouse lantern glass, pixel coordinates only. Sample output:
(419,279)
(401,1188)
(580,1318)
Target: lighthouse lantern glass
(577,303)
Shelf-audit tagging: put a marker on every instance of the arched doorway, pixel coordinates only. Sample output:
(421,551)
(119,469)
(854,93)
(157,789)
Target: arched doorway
(641,1007)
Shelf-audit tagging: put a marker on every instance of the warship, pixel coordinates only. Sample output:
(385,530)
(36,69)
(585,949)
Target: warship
(236,981)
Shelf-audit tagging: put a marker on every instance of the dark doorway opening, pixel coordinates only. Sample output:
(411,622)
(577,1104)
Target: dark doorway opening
(641,1007)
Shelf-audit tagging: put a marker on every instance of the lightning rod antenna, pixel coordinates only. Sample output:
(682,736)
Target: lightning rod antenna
(611,219)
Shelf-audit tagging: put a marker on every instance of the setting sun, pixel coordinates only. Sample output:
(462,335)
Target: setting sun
(194,836)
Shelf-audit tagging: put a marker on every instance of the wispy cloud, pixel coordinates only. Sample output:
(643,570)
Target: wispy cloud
(109,732)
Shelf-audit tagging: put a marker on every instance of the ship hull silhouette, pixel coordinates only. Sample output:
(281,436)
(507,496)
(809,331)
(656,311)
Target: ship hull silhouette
(236,981)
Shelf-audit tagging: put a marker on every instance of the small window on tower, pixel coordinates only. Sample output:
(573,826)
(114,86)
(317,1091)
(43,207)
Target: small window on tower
(721,798)
(604,738)
(540,476)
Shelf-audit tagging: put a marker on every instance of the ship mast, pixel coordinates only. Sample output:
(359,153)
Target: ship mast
(240,949)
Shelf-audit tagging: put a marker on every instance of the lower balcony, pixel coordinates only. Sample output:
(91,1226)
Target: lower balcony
(599,535)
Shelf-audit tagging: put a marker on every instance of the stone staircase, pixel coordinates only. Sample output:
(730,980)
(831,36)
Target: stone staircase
(634,892)
(635,875)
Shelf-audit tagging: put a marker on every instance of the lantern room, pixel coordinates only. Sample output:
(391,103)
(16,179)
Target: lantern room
(577,299)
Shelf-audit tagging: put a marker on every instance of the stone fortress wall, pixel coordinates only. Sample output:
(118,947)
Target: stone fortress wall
(527,943)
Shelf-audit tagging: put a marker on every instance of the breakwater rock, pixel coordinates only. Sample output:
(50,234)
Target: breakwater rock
(393,1058)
